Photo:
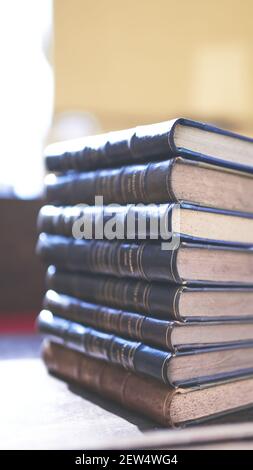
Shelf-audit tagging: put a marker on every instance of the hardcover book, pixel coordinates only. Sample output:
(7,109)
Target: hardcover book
(160,300)
(180,136)
(166,405)
(181,368)
(148,222)
(177,180)
(190,262)
(162,334)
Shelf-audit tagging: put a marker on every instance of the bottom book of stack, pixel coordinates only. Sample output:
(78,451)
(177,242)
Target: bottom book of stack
(174,383)
(166,405)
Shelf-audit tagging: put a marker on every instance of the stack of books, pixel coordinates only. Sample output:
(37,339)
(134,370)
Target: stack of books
(148,238)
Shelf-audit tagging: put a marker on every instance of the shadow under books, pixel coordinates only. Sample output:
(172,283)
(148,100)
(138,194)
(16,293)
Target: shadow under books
(240,416)
(141,423)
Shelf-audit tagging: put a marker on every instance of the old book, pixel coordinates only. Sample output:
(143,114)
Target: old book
(181,368)
(148,261)
(159,402)
(162,300)
(167,335)
(165,181)
(148,222)
(179,136)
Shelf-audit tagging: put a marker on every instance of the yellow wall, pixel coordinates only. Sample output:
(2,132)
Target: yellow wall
(139,61)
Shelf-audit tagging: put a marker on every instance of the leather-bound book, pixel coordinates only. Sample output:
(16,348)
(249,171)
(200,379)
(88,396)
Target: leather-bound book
(151,142)
(181,368)
(163,404)
(166,181)
(148,222)
(188,263)
(167,335)
(161,300)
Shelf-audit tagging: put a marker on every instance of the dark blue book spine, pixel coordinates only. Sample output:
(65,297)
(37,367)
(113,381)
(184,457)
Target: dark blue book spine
(129,354)
(135,223)
(143,260)
(130,325)
(113,149)
(145,183)
(149,142)
(159,300)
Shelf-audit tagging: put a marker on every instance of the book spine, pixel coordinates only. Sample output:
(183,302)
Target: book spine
(114,148)
(60,220)
(130,184)
(153,299)
(133,222)
(138,393)
(145,260)
(131,355)
(127,324)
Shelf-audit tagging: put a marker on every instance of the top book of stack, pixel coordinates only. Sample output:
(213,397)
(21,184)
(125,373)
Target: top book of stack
(179,137)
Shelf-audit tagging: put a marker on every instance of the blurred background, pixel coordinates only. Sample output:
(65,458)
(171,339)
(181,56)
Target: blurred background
(77,67)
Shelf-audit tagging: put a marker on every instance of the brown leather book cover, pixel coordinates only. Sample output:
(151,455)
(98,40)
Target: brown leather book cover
(140,394)
(161,403)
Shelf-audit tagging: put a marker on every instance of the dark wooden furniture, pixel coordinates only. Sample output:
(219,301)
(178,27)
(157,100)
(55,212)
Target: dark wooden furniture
(21,273)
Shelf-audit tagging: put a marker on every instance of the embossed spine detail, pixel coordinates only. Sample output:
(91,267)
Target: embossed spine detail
(129,354)
(138,393)
(145,183)
(154,299)
(128,324)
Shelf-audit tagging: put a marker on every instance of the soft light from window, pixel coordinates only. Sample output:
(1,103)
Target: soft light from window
(26,93)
